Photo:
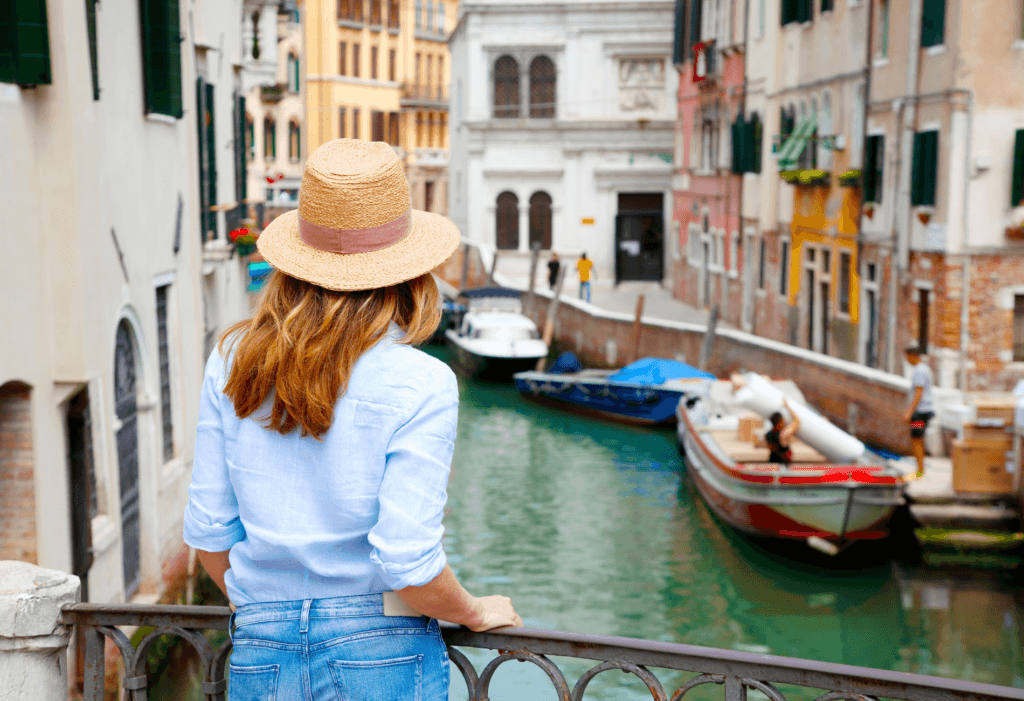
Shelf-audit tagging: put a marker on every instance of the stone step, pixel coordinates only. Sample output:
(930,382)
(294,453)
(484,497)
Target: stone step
(985,517)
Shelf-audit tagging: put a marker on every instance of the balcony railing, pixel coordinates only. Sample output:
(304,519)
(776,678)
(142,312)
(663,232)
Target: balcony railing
(432,95)
(735,671)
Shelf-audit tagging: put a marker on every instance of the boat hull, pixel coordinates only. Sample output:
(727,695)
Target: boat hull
(494,368)
(624,403)
(840,510)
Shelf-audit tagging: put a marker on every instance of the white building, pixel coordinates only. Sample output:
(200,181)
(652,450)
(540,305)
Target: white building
(562,120)
(117,272)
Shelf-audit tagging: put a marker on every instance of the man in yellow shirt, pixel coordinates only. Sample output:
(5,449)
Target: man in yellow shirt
(584,266)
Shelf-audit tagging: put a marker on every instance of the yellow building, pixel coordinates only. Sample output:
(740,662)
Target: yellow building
(378,70)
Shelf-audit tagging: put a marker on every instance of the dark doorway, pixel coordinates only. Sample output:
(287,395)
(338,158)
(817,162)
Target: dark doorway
(922,319)
(83,486)
(127,456)
(810,309)
(507,224)
(871,349)
(640,236)
(540,220)
(823,299)
(428,196)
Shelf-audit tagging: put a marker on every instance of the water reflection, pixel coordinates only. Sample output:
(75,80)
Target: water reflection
(590,527)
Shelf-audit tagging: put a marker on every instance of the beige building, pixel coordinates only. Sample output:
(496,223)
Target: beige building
(379,70)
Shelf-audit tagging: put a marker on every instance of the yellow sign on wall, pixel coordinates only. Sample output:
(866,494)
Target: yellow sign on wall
(587,220)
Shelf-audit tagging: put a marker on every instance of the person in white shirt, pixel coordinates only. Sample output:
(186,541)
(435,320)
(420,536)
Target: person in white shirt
(921,409)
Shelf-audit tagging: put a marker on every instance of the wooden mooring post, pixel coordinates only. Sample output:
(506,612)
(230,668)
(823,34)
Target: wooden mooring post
(634,339)
(494,267)
(465,267)
(533,275)
(709,340)
(549,321)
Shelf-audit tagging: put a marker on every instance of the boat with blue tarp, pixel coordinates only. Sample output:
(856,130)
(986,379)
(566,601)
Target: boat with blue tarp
(644,392)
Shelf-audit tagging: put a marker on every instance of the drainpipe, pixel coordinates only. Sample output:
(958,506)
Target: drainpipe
(907,128)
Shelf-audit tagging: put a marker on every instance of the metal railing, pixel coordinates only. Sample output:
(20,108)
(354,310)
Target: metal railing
(735,671)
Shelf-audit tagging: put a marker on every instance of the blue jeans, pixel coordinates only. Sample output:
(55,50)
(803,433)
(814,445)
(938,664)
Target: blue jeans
(585,287)
(335,649)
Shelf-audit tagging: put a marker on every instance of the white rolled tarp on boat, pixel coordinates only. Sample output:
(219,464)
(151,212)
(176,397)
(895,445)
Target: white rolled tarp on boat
(758,395)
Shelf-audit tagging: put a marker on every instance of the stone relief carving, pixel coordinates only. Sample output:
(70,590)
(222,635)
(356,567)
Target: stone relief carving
(641,84)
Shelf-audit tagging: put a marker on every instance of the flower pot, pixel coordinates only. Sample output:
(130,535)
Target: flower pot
(924,217)
(869,211)
(245,249)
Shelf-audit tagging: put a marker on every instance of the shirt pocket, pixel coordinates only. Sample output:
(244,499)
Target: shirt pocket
(380,417)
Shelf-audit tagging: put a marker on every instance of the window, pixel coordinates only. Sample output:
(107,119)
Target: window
(1018,328)
(350,10)
(357,10)
(25,43)
(430,16)
(161,54)
(419,61)
(393,129)
(250,138)
(419,14)
(542,87)
(239,137)
(342,114)
(1017,186)
(163,350)
(374,51)
(355,124)
(506,88)
(376,126)
(394,15)
(391,65)
(827,5)
(883,28)
(796,11)
(933,22)
(923,303)
(507,224)
(440,16)
(734,250)
(294,149)
(746,144)
(269,139)
(925,166)
(430,75)
(784,267)
(844,282)
(342,58)
(376,12)
(90,24)
(695,33)
(355,60)
(442,79)
(762,261)
(206,144)
(709,145)
(293,73)
(540,220)
(874,169)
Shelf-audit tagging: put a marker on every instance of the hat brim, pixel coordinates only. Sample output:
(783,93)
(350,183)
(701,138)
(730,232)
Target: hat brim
(431,240)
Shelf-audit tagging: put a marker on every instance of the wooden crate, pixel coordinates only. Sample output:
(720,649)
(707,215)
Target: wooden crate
(987,433)
(980,466)
(751,427)
(995,406)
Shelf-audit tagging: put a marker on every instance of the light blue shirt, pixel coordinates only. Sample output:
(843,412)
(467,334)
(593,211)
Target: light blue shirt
(356,513)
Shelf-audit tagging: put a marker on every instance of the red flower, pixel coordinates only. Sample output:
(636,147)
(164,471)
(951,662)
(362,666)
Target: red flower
(236,233)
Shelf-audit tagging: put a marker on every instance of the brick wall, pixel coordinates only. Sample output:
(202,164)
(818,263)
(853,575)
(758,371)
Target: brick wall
(17,476)
(451,270)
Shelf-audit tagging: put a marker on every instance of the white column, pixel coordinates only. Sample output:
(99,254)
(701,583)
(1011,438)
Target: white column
(33,639)
(524,226)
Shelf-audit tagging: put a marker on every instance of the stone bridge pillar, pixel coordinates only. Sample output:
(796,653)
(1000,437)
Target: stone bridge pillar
(33,640)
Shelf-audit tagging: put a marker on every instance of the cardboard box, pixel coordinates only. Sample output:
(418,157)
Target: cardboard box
(997,407)
(980,467)
(751,427)
(987,433)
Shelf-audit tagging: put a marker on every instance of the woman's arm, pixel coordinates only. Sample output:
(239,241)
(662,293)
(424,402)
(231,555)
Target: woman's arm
(786,435)
(444,598)
(216,564)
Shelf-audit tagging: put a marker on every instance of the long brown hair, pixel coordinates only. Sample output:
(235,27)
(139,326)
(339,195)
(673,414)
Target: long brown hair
(303,341)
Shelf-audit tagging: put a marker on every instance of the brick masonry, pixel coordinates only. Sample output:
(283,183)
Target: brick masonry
(17,476)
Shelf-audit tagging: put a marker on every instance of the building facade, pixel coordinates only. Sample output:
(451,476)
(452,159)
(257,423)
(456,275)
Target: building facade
(562,118)
(118,276)
(379,70)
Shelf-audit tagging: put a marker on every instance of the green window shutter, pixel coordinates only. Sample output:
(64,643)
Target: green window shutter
(788,12)
(873,169)
(752,141)
(204,171)
(826,5)
(933,22)
(90,25)
(695,12)
(1017,191)
(737,144)
(925,166)
(679,35)
(239,143)
(161,56)
(211,159)
(24,42)
(803,11)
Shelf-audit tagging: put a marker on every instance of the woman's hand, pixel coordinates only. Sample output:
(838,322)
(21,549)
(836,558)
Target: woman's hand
(495,612)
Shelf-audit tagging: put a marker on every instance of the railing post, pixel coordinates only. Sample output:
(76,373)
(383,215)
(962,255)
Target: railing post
(33,638)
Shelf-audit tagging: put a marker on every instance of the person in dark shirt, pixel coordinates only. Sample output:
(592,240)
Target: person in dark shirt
(780,437)
(553,266)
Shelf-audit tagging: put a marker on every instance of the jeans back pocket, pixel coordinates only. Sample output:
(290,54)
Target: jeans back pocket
(379,680)
(253,683)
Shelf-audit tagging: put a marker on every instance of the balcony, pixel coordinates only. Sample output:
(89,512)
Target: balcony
(706,66)
(272,94)
(736,671)
(434,97)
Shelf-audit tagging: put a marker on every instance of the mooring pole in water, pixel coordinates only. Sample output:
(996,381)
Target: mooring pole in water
(549,322)
(465,267)
(533,275)
(709,339)
(634,340)
(494,266)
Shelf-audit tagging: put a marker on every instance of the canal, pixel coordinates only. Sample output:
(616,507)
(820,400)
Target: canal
(592,527)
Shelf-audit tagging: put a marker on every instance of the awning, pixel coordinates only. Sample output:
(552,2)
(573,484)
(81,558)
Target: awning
(794,146)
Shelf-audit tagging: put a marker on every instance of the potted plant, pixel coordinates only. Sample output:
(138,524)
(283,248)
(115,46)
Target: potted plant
(849,178)
(244,240)
(924,217)
(807,177)
(869,210)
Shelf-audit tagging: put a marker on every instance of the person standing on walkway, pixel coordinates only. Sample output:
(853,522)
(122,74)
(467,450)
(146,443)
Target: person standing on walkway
(584,266)
(921,409)
(553,266)
(324,446)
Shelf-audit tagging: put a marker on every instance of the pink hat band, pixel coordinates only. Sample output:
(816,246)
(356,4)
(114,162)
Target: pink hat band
(334,240)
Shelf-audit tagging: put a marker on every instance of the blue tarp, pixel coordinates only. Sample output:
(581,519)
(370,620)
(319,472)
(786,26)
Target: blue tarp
(566,362)
(655,371)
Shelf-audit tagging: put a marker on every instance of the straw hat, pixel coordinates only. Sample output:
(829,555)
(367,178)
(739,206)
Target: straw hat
(355,228)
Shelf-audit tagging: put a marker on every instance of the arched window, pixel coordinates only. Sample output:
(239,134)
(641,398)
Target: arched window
(507,229)
(269,139)
(294,149)
(542,87)
(440,17)
(419,14)
(293,73)
(506,88)
(430,16)
(540,220)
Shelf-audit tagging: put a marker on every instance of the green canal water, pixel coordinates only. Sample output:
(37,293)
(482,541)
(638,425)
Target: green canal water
(592,527)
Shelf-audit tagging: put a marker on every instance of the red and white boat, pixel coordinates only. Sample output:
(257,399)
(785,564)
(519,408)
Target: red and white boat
(828,505)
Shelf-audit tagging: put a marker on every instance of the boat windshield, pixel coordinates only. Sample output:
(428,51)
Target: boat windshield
(505,333)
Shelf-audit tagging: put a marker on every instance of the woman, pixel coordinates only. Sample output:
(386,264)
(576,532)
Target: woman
(323,449)
(779,438)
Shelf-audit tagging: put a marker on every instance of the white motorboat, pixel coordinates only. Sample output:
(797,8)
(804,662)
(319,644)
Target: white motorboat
(495,339)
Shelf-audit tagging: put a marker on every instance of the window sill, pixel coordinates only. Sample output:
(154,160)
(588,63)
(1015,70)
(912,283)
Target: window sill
(161,118)
(350,24)
(733,274)
(376,27)
(880,62)
(761,294)
(935,50)
(394,31)
(1019,45)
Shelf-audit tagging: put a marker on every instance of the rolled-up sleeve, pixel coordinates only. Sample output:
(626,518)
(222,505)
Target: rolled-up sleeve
(406,539)
(211,517)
